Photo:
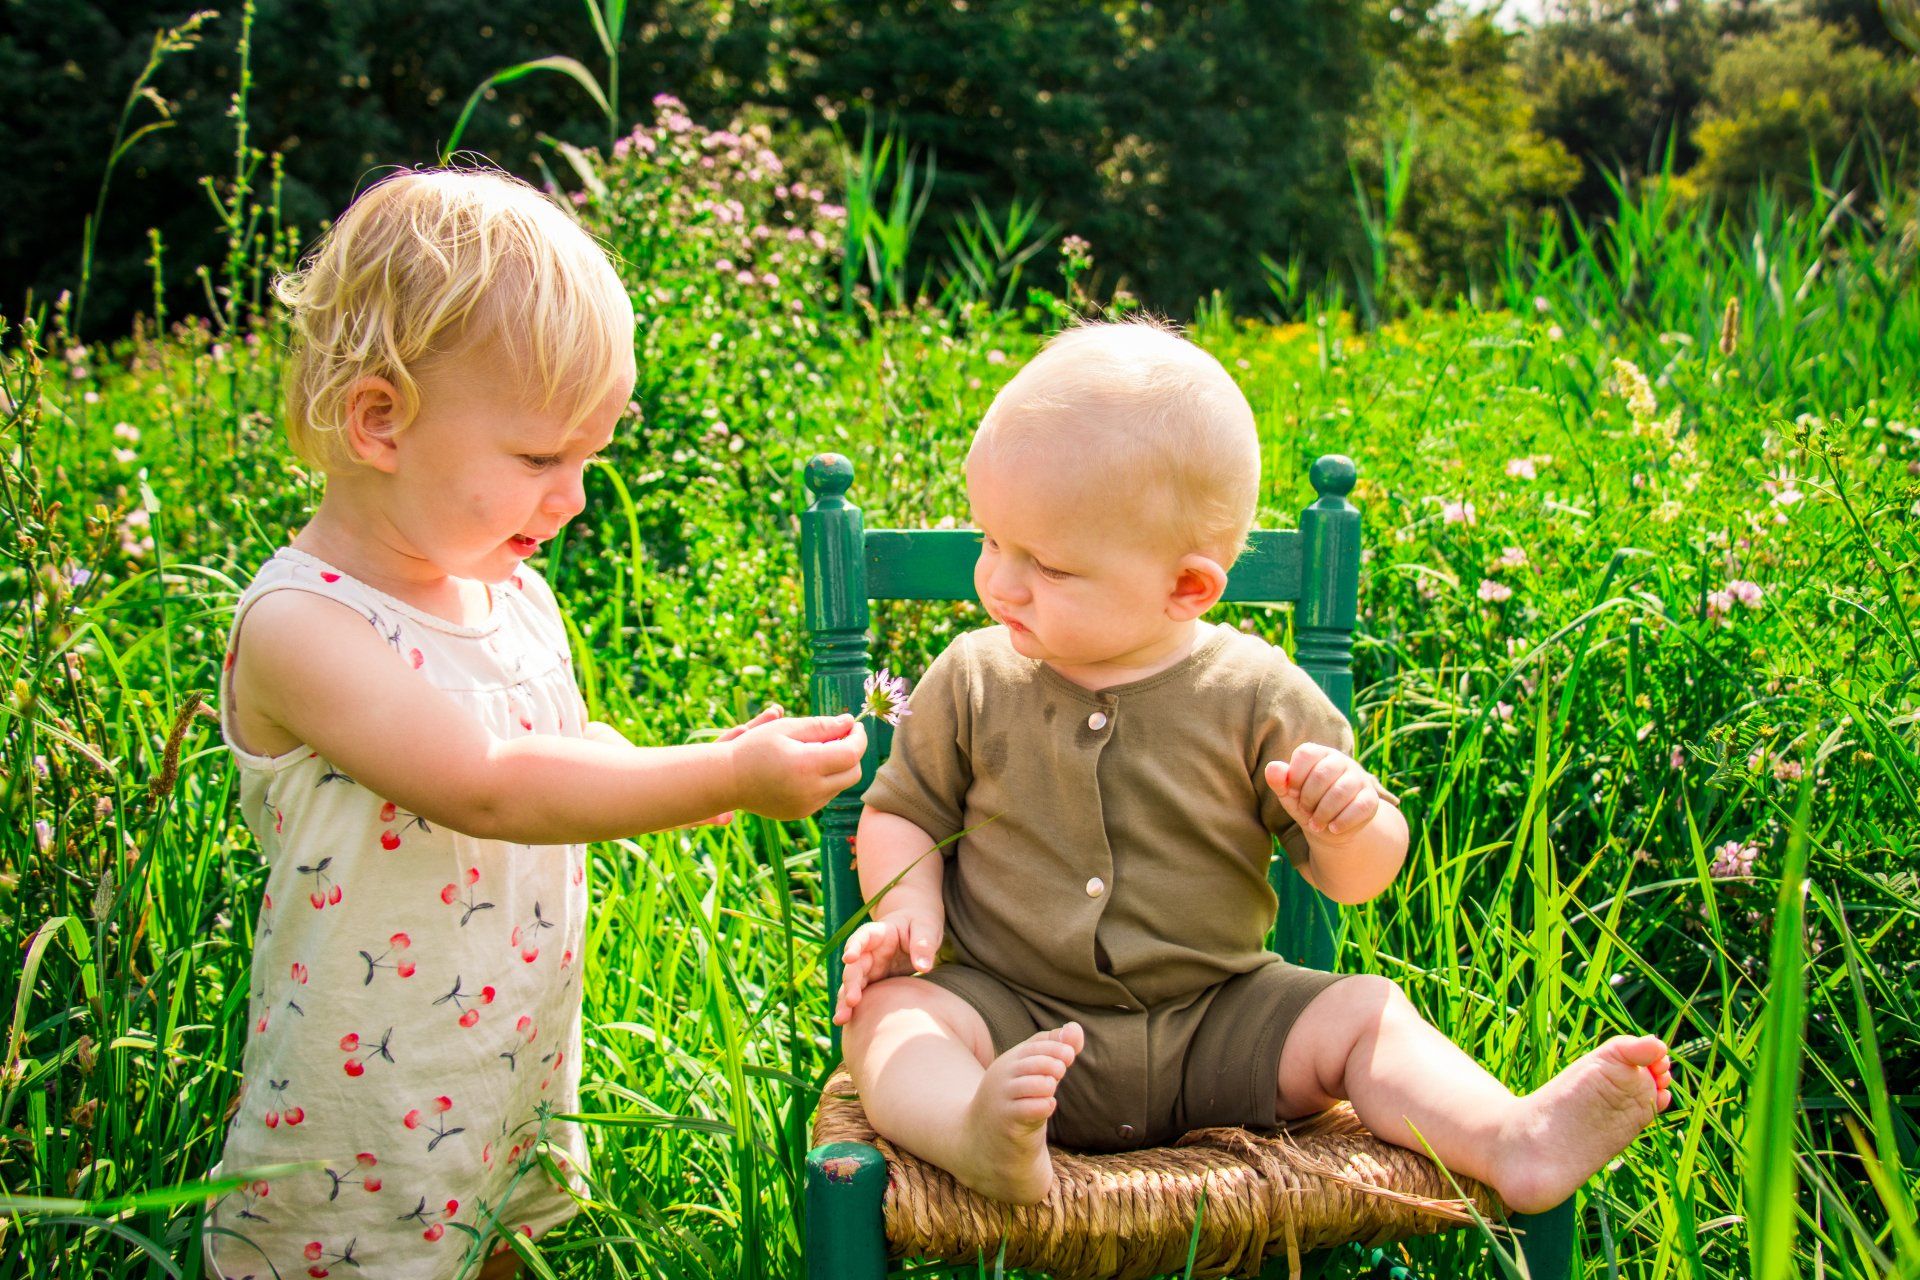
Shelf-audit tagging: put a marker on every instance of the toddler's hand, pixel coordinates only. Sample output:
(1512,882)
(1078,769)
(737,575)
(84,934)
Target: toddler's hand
(728,735)
(1326,790)
(899,944)
(788,768)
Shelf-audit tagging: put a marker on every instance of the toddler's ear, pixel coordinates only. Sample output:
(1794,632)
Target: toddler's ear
(372,417)
(1198,584)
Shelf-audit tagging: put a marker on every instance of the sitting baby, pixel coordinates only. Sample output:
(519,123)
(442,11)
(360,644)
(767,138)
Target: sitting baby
(1088,961)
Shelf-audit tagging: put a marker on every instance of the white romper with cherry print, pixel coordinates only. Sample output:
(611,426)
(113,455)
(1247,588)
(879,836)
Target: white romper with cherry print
(414,1005)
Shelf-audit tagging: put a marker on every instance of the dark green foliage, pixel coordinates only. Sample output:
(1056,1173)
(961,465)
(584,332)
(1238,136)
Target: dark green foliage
(343,88)
(1777,96)
(1182,139)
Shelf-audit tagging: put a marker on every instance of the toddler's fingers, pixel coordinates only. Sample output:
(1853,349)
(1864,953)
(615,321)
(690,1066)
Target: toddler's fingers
(838,782)
(820,728)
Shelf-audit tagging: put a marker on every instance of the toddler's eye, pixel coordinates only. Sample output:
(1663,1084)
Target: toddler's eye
(540,461)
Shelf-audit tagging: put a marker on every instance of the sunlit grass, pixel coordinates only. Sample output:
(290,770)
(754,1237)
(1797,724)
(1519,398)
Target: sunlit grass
(1628,780)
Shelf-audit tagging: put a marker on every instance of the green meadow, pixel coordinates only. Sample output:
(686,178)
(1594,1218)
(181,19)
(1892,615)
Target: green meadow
(1637,643)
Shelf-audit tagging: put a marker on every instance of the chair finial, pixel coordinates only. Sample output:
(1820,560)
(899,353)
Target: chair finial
(1333,475)
(829,475)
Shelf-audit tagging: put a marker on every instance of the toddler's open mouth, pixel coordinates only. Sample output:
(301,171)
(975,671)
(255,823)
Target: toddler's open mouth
(521,543)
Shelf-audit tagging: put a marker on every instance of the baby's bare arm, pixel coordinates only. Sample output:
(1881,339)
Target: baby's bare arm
(316,669)
(888,845)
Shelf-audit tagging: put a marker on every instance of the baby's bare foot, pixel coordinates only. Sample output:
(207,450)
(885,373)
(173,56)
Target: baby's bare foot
(1573,1124)
(1006,1124)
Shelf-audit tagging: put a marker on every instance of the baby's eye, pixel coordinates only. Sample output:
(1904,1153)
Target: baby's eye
(540,461)
(1049,572)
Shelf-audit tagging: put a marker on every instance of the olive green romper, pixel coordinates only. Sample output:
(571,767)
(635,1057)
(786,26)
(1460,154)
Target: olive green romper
(1115,870)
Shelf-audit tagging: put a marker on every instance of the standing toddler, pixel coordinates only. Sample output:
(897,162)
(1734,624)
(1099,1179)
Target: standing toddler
(415,758)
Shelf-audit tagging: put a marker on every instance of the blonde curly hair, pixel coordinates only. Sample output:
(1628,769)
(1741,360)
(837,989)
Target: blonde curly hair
(431,265)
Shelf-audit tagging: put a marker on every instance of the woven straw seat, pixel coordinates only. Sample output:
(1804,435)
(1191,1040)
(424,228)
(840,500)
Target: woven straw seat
(1307,1185)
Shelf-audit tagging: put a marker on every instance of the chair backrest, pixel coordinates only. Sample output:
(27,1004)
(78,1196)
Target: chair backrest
(845,565)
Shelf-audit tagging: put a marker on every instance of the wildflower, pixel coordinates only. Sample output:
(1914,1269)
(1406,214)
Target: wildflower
(664,101)
(1677,760)
(1719,604)
(1522,469)
(1788,770)
(1632,386)
(1730,327)
(1734,861)
(744,277)
(79,576)
(42,835)
(1555,333)
(996,356)
(125,455)
(1541,305)
(1512,558)
(1747,593)
(886,697)
(1504,710)
(833,212)
(724,266)
(1459,513)
(1492,591)
(126,431)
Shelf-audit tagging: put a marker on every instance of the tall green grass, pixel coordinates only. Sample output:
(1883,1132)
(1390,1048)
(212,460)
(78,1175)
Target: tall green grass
(1578,755)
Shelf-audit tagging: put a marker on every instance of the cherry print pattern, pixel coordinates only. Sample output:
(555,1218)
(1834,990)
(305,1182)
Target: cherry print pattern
(437,1110)
(435,1219)
(332,985)
(279,1110)
(524,1029)
(451,894)
(397,945)
(323,1259)
(525,938)
(362,1175)
(462,999)
(380,1050)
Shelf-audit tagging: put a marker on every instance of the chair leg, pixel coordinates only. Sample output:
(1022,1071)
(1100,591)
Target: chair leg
(846,1236)
(1548,1242)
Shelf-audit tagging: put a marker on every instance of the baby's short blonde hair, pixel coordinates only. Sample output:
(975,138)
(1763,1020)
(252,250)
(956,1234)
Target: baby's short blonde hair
(1149,416)
(431,264)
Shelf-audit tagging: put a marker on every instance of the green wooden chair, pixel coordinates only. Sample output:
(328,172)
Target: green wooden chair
(845,565)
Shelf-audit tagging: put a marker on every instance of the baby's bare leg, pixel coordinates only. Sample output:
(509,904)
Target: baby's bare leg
(923,1062)
(1361,1039)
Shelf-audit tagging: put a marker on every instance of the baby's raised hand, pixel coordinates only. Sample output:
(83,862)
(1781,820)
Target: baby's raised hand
(787,767)
(902,943)
(1326,790)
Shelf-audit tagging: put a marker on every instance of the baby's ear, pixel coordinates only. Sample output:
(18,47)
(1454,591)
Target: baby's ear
(1198,584)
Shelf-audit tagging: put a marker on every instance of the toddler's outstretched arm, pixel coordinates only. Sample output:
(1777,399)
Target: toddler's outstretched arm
(317,670)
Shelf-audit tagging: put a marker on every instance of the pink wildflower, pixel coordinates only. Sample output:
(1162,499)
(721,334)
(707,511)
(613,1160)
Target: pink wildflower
(1734,861)
(1522,469)
(1492,591)
(1459,513)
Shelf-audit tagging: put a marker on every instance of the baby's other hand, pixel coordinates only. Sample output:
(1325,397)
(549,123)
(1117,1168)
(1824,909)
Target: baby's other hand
(896,945)
(790,767)
(1326,790)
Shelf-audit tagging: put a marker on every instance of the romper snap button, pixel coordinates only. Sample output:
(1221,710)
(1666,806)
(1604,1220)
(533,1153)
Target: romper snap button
(1126,1132)
(1098,720)
(1096,887)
